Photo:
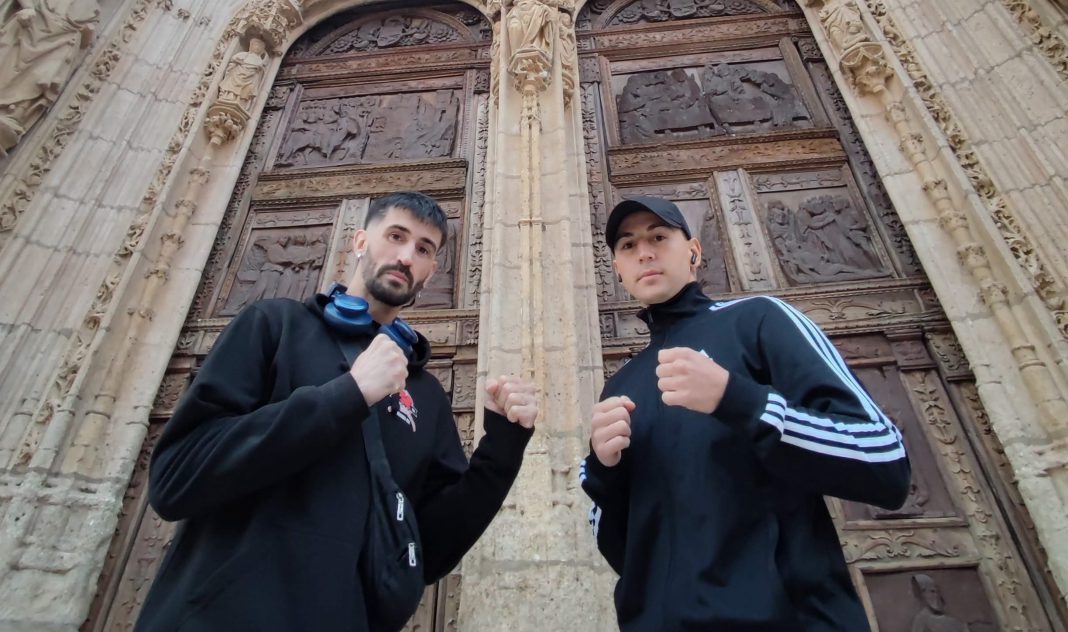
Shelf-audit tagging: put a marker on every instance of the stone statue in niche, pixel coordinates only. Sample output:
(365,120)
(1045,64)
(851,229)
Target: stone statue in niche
(933,617)
(392,32)
(531,24)
(278,266)
(243,75)
(665,10)
(373,129)
(826,239)
(664,105)
(39,46)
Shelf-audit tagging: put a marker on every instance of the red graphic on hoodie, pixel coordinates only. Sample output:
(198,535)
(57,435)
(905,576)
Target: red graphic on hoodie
(406,409)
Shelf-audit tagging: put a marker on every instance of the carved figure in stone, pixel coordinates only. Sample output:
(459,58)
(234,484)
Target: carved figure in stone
(663,103)
(933,617)
(837,229)
(393,32)
(243,75)
(302,261)
(39,47)
(311,135)
(800,263)
(531,25)
(666,10)
(784,102)
(841,19)
(263,269)
(349,140)
(742,96)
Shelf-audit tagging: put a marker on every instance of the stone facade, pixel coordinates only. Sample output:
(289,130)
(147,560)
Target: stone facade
(110,204)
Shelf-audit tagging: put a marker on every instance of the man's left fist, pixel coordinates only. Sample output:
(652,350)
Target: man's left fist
(690,379)
(511,397)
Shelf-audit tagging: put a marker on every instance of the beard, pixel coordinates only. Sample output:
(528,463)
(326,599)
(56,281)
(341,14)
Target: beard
(384,288)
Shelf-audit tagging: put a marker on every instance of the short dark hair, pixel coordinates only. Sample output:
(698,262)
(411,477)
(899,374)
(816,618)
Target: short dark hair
(425,208)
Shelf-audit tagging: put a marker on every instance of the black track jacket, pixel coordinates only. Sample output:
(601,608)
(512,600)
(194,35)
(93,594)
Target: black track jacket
(264,463)
(716,522)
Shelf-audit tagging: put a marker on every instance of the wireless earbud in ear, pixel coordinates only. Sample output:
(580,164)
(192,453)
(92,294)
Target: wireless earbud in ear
(693,258)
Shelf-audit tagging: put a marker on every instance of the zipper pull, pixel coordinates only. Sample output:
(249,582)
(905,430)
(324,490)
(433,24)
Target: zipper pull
(411,554)
(400,507)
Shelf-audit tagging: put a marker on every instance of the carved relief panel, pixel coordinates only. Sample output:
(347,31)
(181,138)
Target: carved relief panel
(728,110)
(344,125)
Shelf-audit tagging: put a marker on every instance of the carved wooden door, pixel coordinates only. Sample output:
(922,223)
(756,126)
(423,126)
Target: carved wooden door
(727,108)
(366,103)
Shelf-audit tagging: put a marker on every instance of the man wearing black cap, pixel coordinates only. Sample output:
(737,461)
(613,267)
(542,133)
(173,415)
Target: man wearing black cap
(711,449)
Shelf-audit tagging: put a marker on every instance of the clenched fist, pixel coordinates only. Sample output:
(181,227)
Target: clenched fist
(511,397)
(380,370)
(610,433)
(690,379)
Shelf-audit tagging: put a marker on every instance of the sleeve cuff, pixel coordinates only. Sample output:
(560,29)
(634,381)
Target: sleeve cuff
(504,439)
(743,400)
(345,399)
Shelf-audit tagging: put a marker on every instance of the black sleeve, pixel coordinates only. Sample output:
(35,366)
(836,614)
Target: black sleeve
(459,499)
(225,441)
(609,488)
(815,425)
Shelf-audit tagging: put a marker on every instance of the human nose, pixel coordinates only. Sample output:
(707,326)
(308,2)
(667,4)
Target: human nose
(645,252)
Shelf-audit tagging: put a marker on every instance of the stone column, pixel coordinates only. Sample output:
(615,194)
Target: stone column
(1005,301)
(67,452)
(537,568)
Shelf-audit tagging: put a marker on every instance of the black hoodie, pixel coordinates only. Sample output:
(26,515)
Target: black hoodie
(264,464)
(716,522)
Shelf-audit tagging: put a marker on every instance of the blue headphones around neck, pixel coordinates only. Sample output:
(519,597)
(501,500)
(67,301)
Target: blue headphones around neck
(349,315)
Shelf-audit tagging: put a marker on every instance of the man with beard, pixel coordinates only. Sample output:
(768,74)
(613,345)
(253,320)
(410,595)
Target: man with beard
(264,460)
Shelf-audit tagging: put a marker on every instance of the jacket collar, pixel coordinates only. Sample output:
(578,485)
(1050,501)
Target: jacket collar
(420,350)
(687,302)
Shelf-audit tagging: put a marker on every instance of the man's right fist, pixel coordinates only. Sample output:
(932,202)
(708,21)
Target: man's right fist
(611,429)
(380,370)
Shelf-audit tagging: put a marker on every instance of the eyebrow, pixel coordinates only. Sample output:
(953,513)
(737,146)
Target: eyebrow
(652,226)
(404,229)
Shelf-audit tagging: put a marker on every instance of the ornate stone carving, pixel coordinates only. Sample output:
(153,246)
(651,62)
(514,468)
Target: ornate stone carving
(244,73)
(39,46)
(825,239)
(268,20)
(1045,38)
(378,128)
(1020,245)
(669,104)
(933,599)
(17,199)
(473,284)
(646,11)
(278,263)
(867,176)
(595,182)
(532,27)
(898,544)
(395,31)
(861,60)
(747,240)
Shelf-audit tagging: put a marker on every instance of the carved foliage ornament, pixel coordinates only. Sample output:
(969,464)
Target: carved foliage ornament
(1020,245)
(269,20)
(39,46)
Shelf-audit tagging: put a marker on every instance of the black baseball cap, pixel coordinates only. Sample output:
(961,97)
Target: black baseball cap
(664,209)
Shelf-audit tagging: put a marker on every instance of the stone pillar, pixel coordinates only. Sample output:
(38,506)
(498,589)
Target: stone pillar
(68,445)
(1003,294)
(537,567)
